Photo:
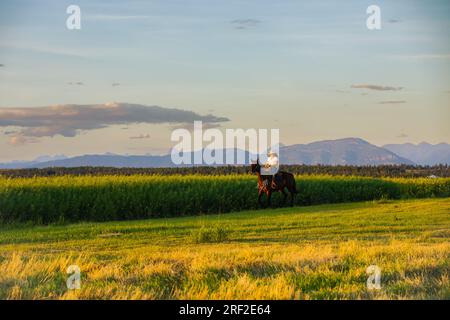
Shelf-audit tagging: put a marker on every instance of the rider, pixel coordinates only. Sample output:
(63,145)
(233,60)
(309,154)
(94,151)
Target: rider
(271,165)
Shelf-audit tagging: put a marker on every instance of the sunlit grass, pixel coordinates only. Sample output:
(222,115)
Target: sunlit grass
(316,252)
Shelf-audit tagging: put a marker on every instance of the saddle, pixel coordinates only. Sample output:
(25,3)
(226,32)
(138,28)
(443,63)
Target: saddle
(274,181)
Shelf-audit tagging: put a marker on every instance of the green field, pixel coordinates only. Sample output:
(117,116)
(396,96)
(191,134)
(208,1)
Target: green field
(315,252)
(46,200)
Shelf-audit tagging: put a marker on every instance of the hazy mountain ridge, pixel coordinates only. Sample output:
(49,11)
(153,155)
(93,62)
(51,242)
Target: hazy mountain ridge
(422,153)
(17,164)
(107,160)
(348,151)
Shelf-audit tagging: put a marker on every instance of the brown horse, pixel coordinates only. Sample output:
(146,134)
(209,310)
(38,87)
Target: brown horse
(266,185)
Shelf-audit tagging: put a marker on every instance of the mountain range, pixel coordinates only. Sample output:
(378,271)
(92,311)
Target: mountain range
(422,153)
(348,151)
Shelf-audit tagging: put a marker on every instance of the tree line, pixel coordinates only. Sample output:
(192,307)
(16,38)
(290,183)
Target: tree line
(340,170)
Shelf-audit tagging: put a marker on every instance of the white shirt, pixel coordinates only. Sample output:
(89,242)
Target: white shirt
(272,161)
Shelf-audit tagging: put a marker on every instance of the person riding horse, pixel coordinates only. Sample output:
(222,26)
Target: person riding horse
(271,168)
(268,173)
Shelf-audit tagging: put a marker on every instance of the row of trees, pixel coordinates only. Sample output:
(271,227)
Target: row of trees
(367,171)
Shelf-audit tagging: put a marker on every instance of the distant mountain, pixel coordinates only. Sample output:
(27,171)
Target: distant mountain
(108,160)
(27,164)
(422,153)
(50,158)
(349,151)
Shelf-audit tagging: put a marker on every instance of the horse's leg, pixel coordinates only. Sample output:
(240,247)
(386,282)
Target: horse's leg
(260,193)
(269,194)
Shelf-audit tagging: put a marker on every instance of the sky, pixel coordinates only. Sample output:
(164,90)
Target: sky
(137,70)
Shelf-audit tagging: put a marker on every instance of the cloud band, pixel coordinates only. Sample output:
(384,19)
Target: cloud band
(69,119)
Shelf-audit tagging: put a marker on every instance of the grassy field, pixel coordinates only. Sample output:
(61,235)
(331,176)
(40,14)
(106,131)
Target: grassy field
(46,200)
(315,252)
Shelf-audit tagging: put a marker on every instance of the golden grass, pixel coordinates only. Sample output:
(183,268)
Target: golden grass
(156,259)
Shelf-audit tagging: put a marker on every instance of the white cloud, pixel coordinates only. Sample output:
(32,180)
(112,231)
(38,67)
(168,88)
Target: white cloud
(392,102)
(375,87)
(141,136)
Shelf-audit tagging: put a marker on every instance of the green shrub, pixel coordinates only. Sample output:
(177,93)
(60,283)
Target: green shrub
(209,234)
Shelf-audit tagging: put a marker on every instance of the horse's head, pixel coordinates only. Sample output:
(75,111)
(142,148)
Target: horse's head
(256,167)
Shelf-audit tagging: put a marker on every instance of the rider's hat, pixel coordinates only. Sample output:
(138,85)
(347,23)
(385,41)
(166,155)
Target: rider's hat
(272,153)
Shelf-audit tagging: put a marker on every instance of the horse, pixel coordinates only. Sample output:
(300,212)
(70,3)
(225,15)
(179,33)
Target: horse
(266,185)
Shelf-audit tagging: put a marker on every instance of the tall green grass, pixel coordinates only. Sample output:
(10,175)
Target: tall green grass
(44,200)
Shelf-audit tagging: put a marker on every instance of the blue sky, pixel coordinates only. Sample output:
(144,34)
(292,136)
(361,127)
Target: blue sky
(262,64)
